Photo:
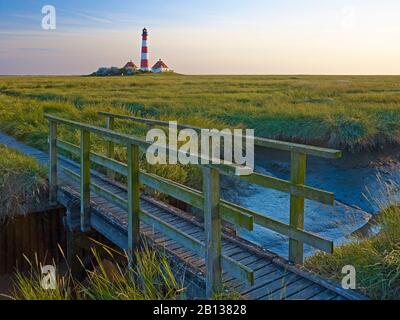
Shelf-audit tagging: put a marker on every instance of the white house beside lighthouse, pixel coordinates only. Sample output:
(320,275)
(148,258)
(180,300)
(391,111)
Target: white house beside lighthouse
(160,66)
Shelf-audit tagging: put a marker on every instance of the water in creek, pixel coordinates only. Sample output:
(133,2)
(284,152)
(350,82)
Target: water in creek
(357,180)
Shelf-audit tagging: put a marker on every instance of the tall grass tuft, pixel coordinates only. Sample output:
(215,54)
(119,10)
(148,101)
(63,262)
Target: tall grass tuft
(28,285)
(376,260)
(151,279)
(23,183)
(227,294)
(109,279)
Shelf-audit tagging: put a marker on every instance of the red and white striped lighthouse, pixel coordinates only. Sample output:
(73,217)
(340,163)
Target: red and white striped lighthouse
(144,59)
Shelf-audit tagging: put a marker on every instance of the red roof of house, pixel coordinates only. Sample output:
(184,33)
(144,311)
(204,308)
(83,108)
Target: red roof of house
(130,64)
(159,64)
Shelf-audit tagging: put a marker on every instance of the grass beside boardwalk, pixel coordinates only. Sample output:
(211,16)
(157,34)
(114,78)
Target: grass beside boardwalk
(337,111)
(376,260)
(108,279)
(22,182)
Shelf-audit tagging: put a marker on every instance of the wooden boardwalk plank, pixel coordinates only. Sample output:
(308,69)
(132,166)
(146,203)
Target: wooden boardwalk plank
(306,293)
(290,289)
(260,273)
(324,295)
(241,255)
(251,261)
(269,288)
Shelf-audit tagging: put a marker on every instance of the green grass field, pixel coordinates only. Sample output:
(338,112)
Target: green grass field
(337,111)
(353,113)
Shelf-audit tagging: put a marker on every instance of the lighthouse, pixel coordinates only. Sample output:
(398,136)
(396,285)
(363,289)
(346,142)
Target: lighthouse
(144,58)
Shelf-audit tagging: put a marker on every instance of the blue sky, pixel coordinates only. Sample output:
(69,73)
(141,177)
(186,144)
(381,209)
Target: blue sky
(204,37)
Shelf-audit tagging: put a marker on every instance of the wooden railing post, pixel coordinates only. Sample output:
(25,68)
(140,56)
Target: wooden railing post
(110,146)
(53,163)
(85,180)
(212,229)
(297,176)
(133,202)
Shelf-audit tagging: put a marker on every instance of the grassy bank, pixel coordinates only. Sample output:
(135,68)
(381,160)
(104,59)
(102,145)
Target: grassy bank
(22,182)
(108,278)
(376,260)
(338,111)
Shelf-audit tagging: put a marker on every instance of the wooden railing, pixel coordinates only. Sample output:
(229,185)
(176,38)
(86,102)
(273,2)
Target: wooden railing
(296,186)
(214,208)
(262,142)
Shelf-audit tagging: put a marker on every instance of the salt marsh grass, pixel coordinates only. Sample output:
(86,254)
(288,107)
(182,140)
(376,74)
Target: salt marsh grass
(353,112)
(376,259)
(109,278)
(346,112)
(23,183)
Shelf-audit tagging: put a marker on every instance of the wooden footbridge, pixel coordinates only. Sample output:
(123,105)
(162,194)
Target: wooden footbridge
(210,256)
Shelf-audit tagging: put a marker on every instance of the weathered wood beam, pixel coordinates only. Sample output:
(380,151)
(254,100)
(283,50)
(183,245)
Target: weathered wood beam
(297,176)
(270,182)
(133,201)
(212,229)
(110,147)
(263,142)
(53,163)
(116,137)
(294,233)
(85,180)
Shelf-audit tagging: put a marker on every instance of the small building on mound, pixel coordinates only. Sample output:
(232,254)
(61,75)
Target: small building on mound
(160,66)
(130,67)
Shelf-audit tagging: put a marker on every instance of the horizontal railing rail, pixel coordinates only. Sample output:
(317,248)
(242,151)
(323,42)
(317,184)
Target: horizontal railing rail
(258,141)
(214,208)
(120,138)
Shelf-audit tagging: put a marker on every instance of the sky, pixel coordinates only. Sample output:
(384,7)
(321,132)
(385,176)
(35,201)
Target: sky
(203,36)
